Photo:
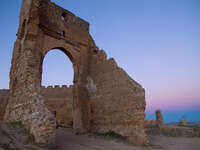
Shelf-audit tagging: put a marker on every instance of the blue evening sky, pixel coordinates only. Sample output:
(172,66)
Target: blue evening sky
(157,42)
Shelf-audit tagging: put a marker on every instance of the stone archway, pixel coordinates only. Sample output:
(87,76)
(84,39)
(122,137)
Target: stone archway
(41,29)
(105,97)
(53,95)
(65,53)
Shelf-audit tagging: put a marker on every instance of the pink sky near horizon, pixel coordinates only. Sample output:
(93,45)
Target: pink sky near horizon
(177,98)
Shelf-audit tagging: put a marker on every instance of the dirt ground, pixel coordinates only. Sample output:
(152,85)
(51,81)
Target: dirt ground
(16,138)
(66,140)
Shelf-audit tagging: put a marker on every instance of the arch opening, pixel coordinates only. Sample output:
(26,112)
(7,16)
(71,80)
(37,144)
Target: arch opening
(57,68)
(57,84)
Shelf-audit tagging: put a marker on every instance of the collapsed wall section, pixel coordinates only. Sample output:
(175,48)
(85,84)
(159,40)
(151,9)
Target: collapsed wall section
(117,101)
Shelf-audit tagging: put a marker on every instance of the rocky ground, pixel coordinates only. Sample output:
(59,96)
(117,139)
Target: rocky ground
(14,137)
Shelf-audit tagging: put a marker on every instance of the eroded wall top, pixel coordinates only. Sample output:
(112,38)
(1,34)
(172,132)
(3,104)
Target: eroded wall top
(62,24)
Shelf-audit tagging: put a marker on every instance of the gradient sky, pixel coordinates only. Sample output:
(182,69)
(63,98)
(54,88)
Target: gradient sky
(157,42)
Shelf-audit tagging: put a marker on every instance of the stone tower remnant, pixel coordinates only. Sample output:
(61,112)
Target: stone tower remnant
(104,96)
(159,118)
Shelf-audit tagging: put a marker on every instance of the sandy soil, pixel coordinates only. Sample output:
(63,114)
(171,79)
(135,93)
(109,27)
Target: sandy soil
(174,143)
(66,140)
(12,138)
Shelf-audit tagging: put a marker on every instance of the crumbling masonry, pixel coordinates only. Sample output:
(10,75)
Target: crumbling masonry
(104,96)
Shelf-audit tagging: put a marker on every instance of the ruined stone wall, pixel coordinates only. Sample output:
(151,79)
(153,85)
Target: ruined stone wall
(59,99)
(118,102)
(104,96)
(56,98)
(45,26)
